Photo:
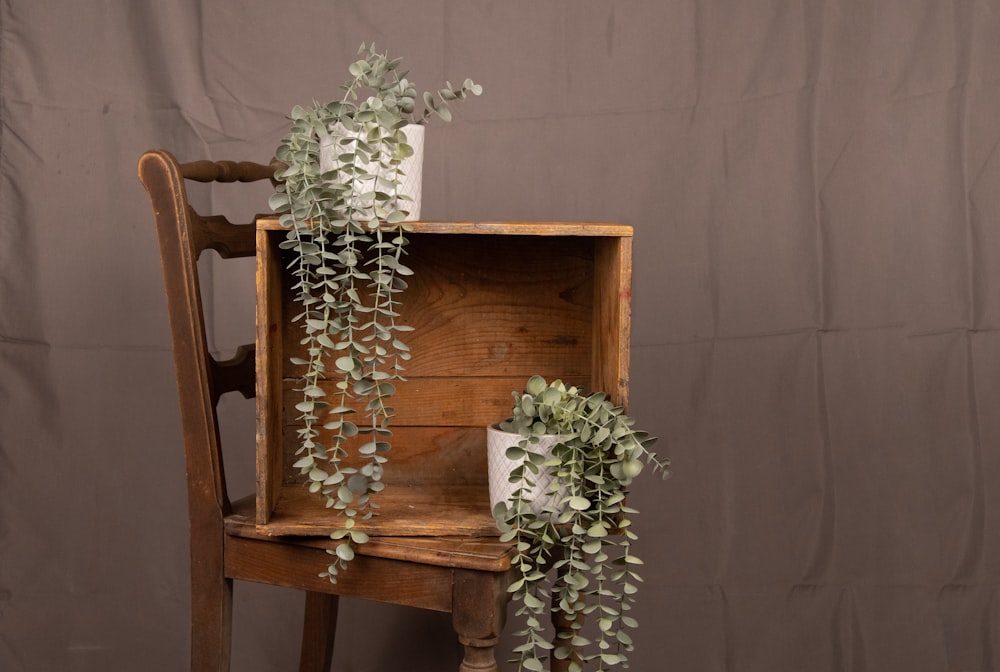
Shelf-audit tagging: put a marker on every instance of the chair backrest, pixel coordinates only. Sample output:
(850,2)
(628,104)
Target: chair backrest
(201,379)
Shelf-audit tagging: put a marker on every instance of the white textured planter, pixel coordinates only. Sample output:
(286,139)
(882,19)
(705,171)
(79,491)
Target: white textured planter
(500,466)
(412,167)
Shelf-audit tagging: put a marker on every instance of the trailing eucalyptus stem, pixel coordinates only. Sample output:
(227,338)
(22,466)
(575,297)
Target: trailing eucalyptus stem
(347,226)
(585,535)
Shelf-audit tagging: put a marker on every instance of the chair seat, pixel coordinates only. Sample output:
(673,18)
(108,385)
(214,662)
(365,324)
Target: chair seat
(419,572)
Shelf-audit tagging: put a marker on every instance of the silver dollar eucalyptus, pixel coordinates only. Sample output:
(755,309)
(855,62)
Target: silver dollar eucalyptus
(586,535)
(348,232)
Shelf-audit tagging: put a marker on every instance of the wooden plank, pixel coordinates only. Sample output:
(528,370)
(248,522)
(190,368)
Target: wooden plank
(481,554)
(269,366)
(419,455)
(270,222)
(417,510)
(297,566)
(612,317)
(448,402)
(487,307)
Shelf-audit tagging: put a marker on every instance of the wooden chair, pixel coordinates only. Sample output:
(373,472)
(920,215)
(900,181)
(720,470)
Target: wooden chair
(466,576)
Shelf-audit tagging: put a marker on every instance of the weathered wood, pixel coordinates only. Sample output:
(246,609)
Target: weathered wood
(270,340)
(491,305)
(227,171)
(612,317)
(484,306)
(482,554)
(405,509)
(282,562)
(420,455)
(219,234)
(318,632)
(453,401)
(198,391)
(602,229)
(235,374)
(478,616)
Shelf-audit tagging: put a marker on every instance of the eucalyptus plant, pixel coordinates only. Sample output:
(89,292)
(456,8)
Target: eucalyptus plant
(347,231)
(585,537)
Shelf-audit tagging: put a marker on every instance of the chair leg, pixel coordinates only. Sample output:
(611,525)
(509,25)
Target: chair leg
(211,620)
(318,631)
(479,609)
(561,624)
(478,655)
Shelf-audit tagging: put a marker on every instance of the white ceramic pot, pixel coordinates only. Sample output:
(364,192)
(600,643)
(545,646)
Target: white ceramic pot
(412,167)
(500,466)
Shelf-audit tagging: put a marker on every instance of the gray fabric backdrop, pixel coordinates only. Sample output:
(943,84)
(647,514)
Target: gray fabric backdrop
(814,187)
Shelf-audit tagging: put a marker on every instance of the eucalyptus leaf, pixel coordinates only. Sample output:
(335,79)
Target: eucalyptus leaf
(305,462)
(357,484)
(345,552)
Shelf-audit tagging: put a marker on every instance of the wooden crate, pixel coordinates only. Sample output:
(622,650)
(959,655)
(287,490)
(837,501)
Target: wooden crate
(491,305)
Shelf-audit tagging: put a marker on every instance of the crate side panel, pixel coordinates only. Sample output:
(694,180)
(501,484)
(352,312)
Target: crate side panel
(612,317)
(268,352)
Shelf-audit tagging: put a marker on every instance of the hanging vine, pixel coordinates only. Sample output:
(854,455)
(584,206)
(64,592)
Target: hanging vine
(585,535)
(347,230)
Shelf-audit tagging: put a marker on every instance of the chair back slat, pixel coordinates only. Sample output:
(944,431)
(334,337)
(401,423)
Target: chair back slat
(183,234)
(217,233)
(235,374)
(227,171)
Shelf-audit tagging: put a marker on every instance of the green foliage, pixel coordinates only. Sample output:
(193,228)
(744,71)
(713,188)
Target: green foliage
(586,538)
(347,231)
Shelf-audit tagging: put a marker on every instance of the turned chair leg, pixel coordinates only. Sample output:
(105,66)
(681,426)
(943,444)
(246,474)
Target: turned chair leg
(319,629)
(478,655)
(479,609)
(562,626)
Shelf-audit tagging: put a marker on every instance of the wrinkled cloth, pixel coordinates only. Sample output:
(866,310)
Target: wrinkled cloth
(815,190)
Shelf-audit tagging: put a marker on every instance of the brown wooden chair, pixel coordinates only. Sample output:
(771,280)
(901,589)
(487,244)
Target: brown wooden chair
(466,576)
